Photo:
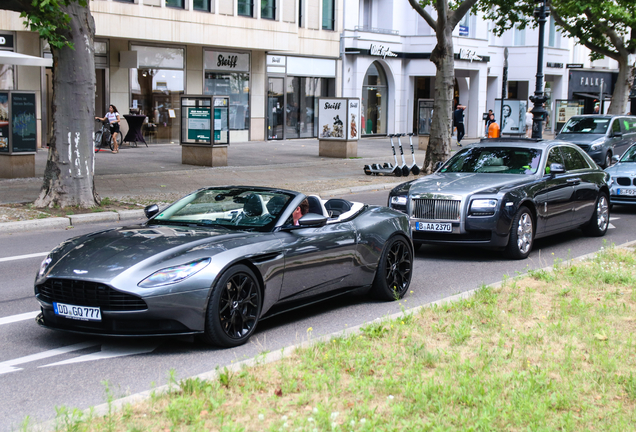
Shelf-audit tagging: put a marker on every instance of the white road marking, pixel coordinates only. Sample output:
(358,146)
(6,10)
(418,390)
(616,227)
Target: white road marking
(610,226)
(19,317)
(19,257)
(110,351)
(8,366)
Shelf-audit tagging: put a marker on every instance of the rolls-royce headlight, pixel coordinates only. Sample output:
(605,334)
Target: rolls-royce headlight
(398,200)
(175,274)
(483,207)
(44,265)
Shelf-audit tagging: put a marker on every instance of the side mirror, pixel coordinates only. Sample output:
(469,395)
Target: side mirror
(617,134)
(615,159)
(312,220)
(438,165)
(557,168)
(151,210)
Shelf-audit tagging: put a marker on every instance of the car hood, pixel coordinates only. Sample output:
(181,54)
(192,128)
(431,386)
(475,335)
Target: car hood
(622,169)
(465,183)
(575,138)
(104,255)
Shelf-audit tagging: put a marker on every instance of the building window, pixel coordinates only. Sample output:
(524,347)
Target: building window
(201,5)
(156,88)
(328,14)
(375,95)
(300,13)
(519,36)
(268,9)
(464,26)
(552,35)
(246,8)
(175,3)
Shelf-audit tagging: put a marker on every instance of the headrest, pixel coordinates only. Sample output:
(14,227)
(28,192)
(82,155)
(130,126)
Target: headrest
(253,206)
(276,204)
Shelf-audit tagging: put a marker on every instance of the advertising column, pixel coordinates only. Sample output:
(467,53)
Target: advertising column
(338,127)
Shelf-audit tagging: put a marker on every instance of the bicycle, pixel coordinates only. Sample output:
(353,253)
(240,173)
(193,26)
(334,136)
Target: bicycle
(104,135)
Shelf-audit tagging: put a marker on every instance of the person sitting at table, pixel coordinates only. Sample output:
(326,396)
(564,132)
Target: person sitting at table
(113,120)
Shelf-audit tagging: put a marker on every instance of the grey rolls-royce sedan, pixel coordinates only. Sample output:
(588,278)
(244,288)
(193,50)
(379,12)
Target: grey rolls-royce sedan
(623,178)
(601,136)
(504,194)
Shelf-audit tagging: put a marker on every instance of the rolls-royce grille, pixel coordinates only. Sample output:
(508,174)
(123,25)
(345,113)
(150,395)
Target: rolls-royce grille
(436,209)
(84,293)
(625,181)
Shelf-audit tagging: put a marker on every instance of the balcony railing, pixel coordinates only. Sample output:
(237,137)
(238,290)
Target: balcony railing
(376,30)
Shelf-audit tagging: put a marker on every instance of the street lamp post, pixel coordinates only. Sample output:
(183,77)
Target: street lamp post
(539,98)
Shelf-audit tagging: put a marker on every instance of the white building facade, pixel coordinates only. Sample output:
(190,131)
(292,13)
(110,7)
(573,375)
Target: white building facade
(386,62)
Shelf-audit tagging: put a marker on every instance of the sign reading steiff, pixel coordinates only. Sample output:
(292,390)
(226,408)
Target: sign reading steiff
(338,120)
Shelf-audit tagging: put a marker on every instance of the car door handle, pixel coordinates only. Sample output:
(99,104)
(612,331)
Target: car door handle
(573,181)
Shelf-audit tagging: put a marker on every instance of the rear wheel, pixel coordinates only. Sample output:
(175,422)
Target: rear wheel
(234,308)
(97,142)
(521,235)
(597,227)
(393,276)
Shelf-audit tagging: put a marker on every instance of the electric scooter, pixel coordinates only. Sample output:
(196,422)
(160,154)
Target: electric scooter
(389,170)
(405,169)
(414,168)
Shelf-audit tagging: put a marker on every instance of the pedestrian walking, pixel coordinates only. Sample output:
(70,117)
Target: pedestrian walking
(458,120)
(529,123)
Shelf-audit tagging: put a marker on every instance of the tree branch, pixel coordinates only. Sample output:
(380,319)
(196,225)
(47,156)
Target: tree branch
(420,10)
(457,15)
(585,41)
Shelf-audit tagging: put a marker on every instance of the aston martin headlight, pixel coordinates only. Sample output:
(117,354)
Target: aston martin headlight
(175,274)
(483,207)
(44,265)
(398,200)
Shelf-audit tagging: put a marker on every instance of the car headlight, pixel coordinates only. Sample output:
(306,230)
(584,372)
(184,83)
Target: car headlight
(175,274)
(483,207)
(398,200)
(597,144)
(44,265)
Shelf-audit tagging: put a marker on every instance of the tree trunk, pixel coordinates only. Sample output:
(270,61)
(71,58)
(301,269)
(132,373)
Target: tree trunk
(621,88)
(69,174)
(439,144)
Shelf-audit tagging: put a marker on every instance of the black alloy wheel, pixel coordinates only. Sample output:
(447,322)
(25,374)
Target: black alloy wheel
(234,308)
(395,268)
(598,224)
(521,235)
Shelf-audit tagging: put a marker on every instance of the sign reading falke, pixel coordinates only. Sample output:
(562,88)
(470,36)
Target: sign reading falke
(227,61)
(381,51)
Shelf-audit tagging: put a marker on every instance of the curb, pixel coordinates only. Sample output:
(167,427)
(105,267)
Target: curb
(70,221)
(270,357)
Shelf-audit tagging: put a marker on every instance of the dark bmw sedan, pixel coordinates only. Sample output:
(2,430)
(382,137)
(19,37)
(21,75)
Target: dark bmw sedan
(504,194)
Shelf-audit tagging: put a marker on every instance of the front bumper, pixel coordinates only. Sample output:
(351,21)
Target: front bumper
(615,198)
(166,315)
(489,231)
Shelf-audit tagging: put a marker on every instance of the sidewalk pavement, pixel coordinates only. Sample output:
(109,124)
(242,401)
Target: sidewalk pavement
(155,173)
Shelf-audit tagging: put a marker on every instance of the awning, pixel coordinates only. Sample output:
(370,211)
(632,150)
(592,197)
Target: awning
(14,58)
(594,96)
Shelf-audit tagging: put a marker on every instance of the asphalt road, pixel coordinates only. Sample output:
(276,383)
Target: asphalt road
(42,369)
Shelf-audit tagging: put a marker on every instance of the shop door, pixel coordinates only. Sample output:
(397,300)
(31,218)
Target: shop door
(275,108)
(292,109)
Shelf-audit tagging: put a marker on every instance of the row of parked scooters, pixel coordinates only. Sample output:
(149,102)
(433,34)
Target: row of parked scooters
(395,170)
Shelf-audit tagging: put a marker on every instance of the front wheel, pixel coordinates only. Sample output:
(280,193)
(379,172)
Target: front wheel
(598,224)
(393,276)
(521,235)
(234,308)
(608,160)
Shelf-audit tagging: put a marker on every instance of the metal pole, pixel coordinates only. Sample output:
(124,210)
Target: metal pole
(539,98)
(504,90)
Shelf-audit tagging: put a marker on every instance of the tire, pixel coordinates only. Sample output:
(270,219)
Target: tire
(395,268)
(521,235)
(415,170)
(597,227)
(97,142)
(608,160)
(234,308)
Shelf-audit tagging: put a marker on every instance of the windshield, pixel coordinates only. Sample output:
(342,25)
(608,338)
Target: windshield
(629,155)
(234,208)
(502,160)
(586,125)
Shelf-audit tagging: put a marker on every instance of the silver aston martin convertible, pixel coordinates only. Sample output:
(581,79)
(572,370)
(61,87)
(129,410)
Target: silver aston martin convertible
(220,259)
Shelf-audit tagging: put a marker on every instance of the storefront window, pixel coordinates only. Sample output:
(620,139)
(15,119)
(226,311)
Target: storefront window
(156,87)
(6,77)
(302,97)
(374,101)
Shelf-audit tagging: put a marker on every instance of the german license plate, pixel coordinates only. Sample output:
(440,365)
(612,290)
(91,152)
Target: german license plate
(83,313)
(432,226)
(627,192)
